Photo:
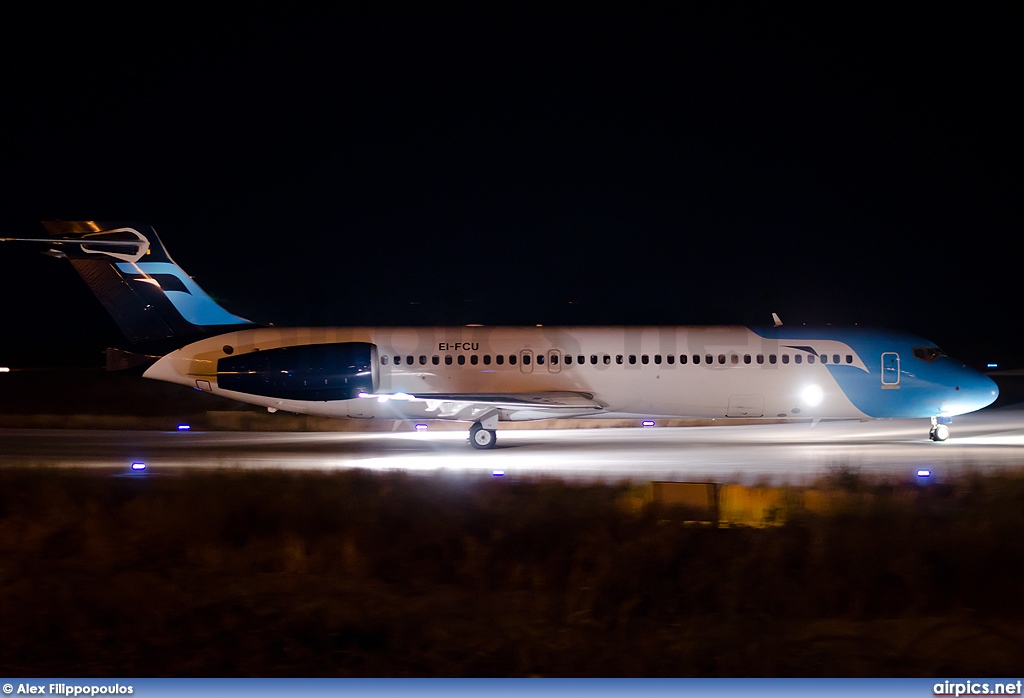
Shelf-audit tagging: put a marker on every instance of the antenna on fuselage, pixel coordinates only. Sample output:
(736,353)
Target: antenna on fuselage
(775,317)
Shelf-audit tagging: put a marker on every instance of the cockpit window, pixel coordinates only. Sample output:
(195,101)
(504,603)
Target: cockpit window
(928,354)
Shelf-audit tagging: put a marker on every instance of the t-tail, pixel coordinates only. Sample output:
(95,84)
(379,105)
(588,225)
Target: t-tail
(149,296)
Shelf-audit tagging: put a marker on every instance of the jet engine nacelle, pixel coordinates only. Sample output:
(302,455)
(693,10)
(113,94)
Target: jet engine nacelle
(314,372)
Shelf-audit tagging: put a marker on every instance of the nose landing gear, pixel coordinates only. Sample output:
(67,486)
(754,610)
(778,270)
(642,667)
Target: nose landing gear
(939,430)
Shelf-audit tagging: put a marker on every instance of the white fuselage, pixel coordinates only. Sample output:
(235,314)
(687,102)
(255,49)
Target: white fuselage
(702,372)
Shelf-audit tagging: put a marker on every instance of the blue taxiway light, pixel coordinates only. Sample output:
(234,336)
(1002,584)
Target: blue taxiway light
(924,472)
(498,473)
(184,427)
(138,465)
(647,423)
(421,427)
(992,365)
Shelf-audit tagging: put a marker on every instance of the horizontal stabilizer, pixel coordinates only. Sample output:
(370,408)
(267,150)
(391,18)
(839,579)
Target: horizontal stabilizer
(123,360)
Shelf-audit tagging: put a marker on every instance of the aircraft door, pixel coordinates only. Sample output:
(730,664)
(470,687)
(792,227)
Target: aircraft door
(890,370)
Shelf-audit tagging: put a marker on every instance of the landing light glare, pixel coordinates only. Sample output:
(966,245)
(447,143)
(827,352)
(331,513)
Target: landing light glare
(813,395)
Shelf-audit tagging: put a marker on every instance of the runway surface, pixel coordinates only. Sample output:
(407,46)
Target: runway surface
(775,453)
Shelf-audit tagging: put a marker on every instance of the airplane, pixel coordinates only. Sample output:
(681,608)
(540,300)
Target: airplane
(486,375)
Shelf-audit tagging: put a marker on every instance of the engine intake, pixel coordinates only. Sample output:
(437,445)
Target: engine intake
(314,372)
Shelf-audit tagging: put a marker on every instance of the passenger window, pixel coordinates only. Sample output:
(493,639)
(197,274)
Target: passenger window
(462,359)
(540,359)
(568,359)
(810,358)
(398,361)
(499,359)
(632,358)
(746,358)
(487,359)
(554,359)
(618,359)
(593,359)
(423,360)
(526,359)
(734,359)
(657,358)
(383,361)
(512,359)
(644,359)
(435,360)
(799,358)
(409,360)
(772,358)
(580,359)
(849,358)
(671,359)
(448,360)
(607,359)
(709,359)
(835,358)
(760,358)
(474,359)
(721,358)
(824,358)
(785,358)
(682,358)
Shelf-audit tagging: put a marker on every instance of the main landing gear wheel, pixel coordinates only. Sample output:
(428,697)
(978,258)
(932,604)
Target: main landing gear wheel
(939,432)
(482,438)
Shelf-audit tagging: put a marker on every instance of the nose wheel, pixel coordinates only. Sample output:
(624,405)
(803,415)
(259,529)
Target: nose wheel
(482,438)
(939,432)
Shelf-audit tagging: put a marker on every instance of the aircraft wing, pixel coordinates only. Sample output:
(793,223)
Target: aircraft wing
(474,406)
(551,400)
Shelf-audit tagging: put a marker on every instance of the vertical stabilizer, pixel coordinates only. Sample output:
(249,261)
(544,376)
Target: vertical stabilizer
(149,296)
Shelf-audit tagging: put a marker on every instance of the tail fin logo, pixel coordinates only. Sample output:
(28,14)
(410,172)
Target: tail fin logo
(184,293)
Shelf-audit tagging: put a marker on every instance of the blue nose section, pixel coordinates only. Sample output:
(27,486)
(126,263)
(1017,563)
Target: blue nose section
(987,391)
(975,392)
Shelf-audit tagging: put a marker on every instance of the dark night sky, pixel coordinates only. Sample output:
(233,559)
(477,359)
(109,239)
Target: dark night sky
(432,164)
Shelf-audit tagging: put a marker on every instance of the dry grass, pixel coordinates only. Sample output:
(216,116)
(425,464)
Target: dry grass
(356,574)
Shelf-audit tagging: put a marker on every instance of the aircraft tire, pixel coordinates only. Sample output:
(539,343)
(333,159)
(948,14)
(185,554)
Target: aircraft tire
(940,432)
(482,438)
